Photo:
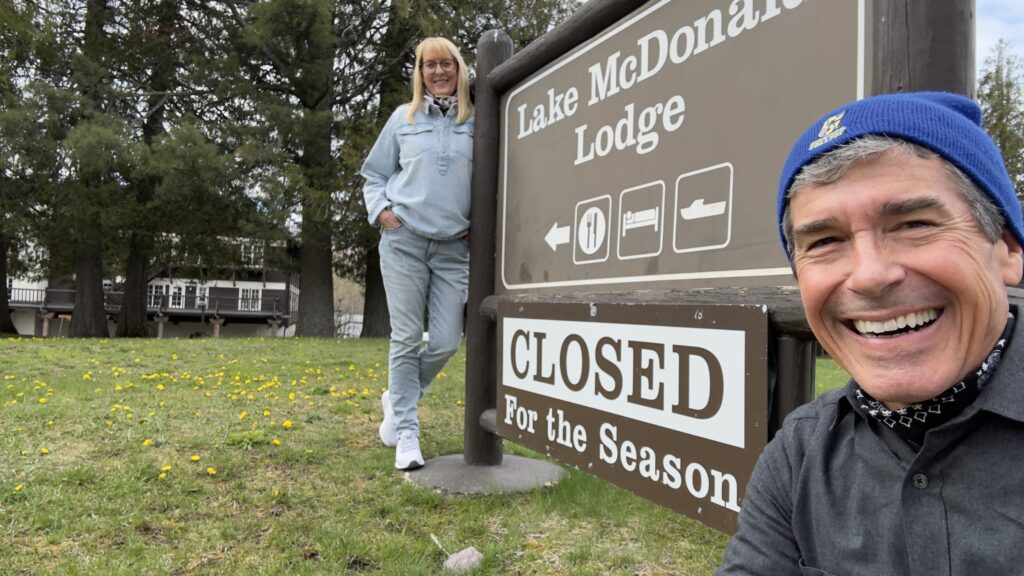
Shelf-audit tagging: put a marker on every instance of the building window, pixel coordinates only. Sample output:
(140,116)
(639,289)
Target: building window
(202,296)
(177,301)
(154,293)
(252,255)
(250,300)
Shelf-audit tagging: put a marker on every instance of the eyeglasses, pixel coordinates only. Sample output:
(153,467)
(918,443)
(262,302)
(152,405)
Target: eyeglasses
(432,65)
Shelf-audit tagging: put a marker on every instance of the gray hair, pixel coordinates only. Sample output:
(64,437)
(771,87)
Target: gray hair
(831,166)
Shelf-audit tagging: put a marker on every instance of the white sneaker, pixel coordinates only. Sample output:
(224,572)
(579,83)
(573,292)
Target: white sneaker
(388,434)
(408,455)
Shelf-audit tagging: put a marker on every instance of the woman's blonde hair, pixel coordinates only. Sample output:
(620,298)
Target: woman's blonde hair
(462,90)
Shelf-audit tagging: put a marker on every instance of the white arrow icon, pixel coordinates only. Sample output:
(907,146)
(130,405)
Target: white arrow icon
(557,235)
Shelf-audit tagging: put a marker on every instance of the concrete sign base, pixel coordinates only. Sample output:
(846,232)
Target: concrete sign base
(450,474)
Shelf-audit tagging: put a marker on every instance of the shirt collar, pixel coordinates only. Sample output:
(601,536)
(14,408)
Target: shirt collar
(1004,394)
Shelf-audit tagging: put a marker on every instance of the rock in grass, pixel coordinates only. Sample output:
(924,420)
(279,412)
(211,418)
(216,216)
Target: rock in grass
(463,561)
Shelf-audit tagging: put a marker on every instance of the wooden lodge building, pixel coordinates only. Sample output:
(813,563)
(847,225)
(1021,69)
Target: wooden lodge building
(249,300)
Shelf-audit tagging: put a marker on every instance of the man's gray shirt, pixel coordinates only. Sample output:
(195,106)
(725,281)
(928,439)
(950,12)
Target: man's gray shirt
(836,493)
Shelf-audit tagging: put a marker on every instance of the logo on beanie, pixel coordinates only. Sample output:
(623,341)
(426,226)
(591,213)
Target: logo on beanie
(830,130)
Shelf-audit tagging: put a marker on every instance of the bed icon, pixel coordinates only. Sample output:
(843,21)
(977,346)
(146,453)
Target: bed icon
(641,221)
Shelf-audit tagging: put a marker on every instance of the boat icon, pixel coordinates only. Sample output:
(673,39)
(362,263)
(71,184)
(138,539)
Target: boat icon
(698,209)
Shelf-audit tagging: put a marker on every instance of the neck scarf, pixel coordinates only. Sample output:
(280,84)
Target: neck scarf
(443,103)
(914,421)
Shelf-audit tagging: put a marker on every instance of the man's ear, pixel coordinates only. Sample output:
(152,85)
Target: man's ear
(1013,259)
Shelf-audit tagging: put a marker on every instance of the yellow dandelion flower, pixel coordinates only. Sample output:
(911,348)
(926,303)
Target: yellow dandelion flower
(159,386)
(266,412)
(49,422)
(147,442)
(174,356)
(44,451)
(19,488)
(243,415)
(211,471)
(195,458)
(277,442)
(287,423)
(275,493)
(167,468)
(42,400)
(162,475)
(87,376)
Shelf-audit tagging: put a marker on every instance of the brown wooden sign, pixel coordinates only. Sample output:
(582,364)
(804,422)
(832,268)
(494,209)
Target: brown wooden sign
(667,401)
(645,161)
(648,156)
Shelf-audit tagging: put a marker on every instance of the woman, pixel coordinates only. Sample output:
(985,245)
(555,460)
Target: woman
(417,191)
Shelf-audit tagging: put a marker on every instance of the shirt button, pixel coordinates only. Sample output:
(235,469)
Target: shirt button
(920,481)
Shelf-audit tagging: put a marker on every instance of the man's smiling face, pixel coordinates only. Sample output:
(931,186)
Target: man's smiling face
(898,283)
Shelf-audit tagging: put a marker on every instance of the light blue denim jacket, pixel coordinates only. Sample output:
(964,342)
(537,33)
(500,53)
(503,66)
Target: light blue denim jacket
(421,171)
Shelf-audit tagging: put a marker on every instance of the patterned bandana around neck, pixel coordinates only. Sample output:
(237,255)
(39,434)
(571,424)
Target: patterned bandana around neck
(442,102)
(913,422)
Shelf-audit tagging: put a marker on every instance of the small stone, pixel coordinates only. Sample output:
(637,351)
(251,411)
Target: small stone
(463,561)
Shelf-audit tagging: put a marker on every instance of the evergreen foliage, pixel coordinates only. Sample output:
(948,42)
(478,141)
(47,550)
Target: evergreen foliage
(1001,94)
(139,139)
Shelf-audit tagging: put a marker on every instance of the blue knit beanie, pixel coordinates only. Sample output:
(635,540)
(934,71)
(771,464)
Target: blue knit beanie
(947,124)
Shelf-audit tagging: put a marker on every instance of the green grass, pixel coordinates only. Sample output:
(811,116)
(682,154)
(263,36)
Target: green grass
(828,376)
(318,497)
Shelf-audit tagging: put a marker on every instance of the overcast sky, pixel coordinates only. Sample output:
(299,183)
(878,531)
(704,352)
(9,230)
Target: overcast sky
(999,19)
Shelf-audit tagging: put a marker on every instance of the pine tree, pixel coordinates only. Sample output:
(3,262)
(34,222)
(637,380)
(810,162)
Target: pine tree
(1002,101)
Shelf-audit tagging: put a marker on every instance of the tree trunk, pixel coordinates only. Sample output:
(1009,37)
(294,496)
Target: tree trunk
(316,276)
(316,281)
(6,323)
(316,273)
(89,318)
(132,320)
(376,320)
(394,90)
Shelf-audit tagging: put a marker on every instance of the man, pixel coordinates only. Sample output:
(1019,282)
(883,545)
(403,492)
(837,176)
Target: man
(904,231)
